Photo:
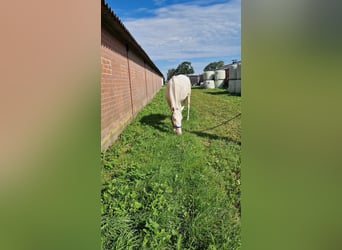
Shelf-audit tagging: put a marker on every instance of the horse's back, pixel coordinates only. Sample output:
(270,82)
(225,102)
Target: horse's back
(178,88)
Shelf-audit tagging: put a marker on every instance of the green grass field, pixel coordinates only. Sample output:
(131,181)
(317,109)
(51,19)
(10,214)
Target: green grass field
(163,191)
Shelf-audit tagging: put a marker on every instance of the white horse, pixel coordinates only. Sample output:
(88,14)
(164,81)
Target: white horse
(178,89)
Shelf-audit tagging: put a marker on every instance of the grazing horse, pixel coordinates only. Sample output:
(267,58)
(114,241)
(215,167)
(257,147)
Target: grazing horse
(178,89)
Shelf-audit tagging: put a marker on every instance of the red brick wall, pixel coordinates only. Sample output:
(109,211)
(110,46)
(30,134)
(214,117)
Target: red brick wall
(127,85)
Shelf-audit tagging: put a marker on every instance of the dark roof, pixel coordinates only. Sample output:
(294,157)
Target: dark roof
(227,65)
(112,23)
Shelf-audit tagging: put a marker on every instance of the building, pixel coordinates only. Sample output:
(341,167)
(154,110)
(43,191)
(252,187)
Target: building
(194,79)
(227,66)
(233,77)
(129,78)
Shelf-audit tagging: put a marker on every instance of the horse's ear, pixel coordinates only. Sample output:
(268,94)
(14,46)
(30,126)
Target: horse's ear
(182,108)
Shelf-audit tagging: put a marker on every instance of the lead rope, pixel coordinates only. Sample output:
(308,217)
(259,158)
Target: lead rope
(225,122)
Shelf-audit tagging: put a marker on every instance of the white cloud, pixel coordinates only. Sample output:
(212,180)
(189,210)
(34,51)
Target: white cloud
(190,31)
(158,2)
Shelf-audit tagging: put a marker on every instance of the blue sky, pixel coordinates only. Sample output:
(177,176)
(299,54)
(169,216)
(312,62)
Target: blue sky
(173,31)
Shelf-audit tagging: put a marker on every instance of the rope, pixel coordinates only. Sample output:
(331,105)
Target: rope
(225,122)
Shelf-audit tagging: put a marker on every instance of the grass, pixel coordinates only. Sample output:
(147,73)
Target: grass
(163,191)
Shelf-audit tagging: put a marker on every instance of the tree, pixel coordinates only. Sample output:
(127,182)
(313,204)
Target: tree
(170,73)
(214,66)
(183,68)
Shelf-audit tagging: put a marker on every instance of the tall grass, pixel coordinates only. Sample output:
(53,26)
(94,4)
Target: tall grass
(162,191)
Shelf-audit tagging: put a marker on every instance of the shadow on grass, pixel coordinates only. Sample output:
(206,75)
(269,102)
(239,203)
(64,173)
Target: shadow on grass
(215,137)
(222,93)
(156,121)
(218,93)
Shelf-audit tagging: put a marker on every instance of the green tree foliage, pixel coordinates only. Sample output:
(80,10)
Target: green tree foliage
(183,68)
(170,73)
(214,66)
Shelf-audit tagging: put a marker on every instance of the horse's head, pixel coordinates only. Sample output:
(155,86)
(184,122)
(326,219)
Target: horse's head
(176,119)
